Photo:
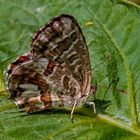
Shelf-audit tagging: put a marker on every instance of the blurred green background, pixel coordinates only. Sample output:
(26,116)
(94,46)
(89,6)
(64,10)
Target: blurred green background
(112,32)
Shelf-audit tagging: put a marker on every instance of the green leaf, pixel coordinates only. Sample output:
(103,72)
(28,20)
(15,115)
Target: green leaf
(112,32)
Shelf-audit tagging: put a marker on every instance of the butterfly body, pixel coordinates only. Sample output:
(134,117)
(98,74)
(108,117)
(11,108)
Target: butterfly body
(56,72)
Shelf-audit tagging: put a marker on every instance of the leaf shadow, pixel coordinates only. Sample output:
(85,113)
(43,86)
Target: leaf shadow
(85,110)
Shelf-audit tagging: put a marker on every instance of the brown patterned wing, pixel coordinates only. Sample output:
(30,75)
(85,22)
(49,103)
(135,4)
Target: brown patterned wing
(42,84)
(23,58)
(56,72)
(62,41)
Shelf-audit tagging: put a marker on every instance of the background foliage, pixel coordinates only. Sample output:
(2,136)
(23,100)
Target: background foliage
(112,32)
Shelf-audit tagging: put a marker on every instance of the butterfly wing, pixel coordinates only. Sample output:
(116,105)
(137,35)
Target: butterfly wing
(62,41)
(17,62)
(38,85)
(57,72)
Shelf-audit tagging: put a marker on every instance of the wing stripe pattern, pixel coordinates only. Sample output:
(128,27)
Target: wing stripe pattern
(56,71)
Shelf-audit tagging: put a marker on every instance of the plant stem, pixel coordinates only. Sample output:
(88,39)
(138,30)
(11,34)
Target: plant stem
(130,3)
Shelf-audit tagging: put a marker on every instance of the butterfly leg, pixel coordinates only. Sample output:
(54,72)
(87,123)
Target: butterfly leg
(92,104)
(72,111)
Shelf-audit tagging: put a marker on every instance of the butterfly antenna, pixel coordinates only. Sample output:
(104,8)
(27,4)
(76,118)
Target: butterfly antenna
(72,111)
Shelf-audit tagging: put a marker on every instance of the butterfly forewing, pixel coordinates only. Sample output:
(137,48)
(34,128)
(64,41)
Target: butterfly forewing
(62,41)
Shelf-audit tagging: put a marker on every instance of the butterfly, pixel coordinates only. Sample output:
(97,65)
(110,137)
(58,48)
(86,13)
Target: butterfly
(56,72)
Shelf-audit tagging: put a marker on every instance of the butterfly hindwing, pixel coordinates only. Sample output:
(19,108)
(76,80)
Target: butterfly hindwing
(42,84)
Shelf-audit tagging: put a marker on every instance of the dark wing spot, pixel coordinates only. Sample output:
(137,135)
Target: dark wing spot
(66,82)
